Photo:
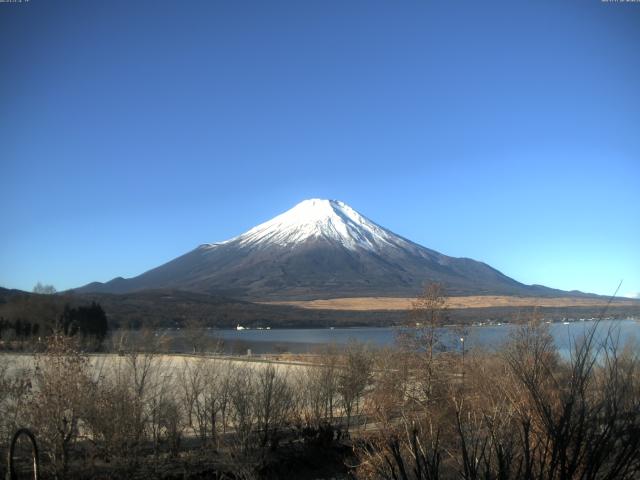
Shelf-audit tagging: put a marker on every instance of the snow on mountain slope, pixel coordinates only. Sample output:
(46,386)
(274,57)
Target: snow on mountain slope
(319,219)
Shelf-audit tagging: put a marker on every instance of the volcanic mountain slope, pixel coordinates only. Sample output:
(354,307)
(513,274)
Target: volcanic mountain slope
(319,249)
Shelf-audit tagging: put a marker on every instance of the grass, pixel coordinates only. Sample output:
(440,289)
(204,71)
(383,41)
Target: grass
(485,301)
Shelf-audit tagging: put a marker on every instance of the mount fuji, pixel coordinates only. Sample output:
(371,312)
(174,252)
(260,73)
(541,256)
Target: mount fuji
(319,249)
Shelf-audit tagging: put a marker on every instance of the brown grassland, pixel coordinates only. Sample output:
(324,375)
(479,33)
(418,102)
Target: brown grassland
(476,301)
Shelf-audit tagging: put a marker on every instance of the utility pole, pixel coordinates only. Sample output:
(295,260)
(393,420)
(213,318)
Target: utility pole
(462,342)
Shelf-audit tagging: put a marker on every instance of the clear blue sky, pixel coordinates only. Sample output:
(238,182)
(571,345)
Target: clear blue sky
(508,132)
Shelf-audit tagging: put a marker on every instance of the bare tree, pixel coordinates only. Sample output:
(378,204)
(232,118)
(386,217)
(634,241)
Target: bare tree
(15,394)
(316,391)
(587,411)
(164,415)
(388,397)
(420,340)
(44,289)
(112,417)
(241,393)
(194,335)
(354,378)
(273,401)
(524,413)
(59,402)
(193,381)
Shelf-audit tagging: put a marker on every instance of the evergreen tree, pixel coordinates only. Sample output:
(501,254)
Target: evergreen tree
(88,321)
(17,326)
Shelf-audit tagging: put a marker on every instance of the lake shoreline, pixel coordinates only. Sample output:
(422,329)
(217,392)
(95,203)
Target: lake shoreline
(313,340)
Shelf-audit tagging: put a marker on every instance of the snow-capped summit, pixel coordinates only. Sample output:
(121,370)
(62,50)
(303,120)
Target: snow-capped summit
(329,220)
(318,249)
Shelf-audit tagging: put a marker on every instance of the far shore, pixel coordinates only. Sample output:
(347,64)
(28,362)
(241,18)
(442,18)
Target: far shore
(474,301)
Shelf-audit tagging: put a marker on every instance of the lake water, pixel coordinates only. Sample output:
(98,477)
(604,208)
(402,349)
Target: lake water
(487,336)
